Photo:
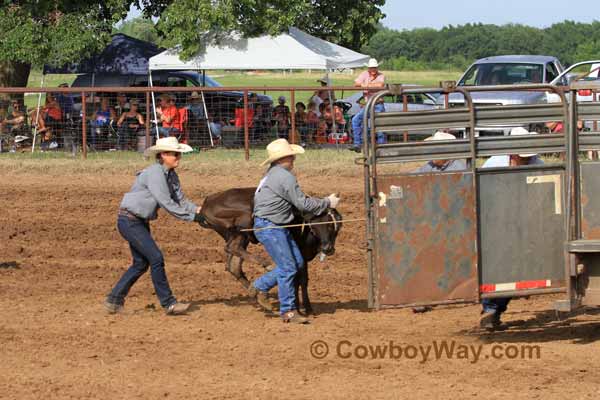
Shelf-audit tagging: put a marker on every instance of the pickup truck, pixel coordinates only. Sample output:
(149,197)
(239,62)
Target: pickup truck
(518,70)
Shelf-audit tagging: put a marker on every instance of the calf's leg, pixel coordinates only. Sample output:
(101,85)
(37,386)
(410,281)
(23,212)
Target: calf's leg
(237,244)
(301,283)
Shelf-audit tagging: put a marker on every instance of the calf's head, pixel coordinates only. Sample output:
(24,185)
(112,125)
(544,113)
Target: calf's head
(327,233)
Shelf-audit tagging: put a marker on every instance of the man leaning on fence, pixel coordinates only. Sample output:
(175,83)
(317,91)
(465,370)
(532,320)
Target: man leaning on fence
(442,165)
(369,79)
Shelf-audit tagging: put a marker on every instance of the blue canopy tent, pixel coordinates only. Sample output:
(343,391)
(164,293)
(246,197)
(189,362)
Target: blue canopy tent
(124,55)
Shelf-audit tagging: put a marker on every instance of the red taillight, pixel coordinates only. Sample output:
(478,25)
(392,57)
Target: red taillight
(584,92)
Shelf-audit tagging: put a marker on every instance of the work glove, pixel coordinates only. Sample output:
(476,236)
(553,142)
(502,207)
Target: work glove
(333,200)
(198,218)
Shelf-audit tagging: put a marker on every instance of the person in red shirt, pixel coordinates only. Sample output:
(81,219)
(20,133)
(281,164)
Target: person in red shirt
(52,111)
(282,115)
(169,116)
(312,120)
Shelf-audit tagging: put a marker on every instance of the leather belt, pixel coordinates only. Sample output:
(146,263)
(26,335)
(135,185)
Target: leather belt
(126,213)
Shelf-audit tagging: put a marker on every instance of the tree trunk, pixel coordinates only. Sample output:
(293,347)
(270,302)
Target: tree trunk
(13,74)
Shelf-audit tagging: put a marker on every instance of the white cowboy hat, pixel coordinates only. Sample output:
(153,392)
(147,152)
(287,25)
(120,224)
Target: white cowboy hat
(324,79)
(20,138)
(372,63)
(522,132)
(440,135)
(280,148)
(167,144)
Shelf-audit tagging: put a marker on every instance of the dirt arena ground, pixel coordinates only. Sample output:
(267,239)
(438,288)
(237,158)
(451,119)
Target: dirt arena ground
(61,254)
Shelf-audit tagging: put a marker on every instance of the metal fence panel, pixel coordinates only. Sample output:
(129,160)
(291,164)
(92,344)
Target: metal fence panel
(426,240)
(521,222)
(590,207)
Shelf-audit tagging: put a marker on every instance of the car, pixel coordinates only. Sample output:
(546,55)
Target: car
(507,70)
(416,102)
(220,105)
(585,71)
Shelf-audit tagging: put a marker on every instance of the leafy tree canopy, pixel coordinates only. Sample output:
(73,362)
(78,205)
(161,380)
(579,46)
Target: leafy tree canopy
(458,46)
(56,32)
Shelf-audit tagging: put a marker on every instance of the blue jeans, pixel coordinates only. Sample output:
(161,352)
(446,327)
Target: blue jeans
(287,258)
(357,126)
(166,132)
(145,254)
(497,305)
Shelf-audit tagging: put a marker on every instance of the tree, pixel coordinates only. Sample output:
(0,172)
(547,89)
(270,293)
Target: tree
(349,23)
(139,28)
(54,32)
(194,23)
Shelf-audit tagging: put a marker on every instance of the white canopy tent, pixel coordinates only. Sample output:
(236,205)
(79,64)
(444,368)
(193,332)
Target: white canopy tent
(292,50)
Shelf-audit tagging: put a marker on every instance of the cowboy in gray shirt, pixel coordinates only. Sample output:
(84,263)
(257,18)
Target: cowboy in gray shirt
(151,191)
(156,186)
(278,192)
(442,165)
(275,196)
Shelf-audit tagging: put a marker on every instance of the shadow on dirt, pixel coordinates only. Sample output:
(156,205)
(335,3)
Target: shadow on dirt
(318,307)
(545,326)
(9,265)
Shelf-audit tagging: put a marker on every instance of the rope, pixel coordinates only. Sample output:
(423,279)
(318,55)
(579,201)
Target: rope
(303,224)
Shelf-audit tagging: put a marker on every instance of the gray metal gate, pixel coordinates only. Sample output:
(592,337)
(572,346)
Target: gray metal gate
(460,236)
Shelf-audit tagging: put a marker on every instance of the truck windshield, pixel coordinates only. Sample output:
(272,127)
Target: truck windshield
(503,74)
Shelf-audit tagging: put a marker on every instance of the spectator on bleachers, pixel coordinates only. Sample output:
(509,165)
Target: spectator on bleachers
(312,120)
(328,114)
(320,95)
(129,123)
(197,115)
(15,120)
(168,115)
(195,105)
(122,104)
(65,102)
(101,121)
(321,133)
(52,111)
(281,114)
(52,121)
(302,122)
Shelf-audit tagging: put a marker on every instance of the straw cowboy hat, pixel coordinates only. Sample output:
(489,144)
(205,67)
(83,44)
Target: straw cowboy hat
(522,132)
(167,144)
(194,95)
(440,135)
(280,148)
(372,63)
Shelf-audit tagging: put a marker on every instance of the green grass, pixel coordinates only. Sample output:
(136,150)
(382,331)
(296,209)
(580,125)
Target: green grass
(218,162)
